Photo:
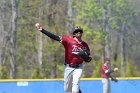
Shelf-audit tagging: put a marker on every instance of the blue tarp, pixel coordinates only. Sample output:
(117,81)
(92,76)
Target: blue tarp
(87,86)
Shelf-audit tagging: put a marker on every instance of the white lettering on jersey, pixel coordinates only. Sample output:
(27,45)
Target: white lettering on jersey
(76,49)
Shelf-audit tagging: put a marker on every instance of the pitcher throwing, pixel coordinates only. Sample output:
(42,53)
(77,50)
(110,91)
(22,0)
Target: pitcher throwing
(76,52)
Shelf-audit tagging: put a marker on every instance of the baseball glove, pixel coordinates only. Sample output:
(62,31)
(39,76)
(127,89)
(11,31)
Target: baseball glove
(114,79)
(84,54)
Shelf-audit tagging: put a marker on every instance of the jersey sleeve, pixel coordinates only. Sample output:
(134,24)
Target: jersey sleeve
(87,47)
(49,34)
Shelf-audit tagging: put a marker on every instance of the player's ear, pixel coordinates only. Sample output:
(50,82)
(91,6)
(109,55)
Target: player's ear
(74,35)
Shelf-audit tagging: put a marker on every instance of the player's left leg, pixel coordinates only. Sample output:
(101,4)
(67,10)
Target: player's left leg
(109,88)
(76,79)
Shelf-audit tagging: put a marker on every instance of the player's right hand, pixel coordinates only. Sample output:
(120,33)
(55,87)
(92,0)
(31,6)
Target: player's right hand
(38,27)
(115,69)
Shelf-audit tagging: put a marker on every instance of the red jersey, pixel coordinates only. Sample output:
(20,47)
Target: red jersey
(103,70)
(72,47)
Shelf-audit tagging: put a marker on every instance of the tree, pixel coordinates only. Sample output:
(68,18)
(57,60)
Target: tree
(111,28)
(110,17)
(13,40)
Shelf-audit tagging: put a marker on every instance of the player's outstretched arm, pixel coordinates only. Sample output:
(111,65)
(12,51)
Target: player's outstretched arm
(110,71)
(40,28)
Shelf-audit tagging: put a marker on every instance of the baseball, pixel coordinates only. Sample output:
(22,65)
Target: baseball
(37,24)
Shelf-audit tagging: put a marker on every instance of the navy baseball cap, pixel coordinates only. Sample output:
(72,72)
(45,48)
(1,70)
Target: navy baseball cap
(77,29)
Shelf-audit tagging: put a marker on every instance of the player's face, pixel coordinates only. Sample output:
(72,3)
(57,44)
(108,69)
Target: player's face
(79,34)
(108,62)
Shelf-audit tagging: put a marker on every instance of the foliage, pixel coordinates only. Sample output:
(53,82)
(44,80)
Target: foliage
(52,14)
(131,70)
(90,15)
(37,74)
(3,73)
(97,69)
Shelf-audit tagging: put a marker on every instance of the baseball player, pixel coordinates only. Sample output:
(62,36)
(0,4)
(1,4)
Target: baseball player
(106,74)
(76,52)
